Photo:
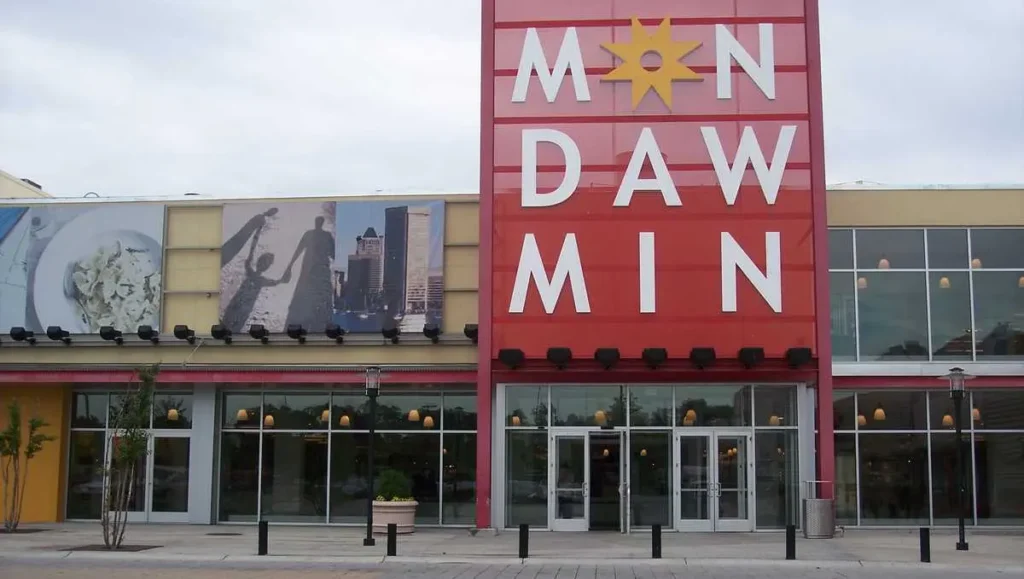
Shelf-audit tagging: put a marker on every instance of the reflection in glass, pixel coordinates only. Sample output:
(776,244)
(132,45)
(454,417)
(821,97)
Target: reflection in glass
(409,411)
(718,405)
(951,315)
(650,475)
(417,457)
(732,477)
(294,477)
(241,411)
(172,411)
(893,315)
(459,479)
(694,478)
(947,249)
(998,409)
(840,249)
(85,474)
(170,475)
(893,410)
(526,469)
(998,248)
(777,473)
(137,493)
(775,406)
(650,406)
(239,476)
(605,481)
(894,479)
(842,300)
(1000,462)
(588,406)
(571,465)
(349,485)
(998,313)
(844,412)
(89,410)
(350,411)
(890,249)
(942,412)
(460,411)
(526,406)
(945,479)
(846,479)
(295,411)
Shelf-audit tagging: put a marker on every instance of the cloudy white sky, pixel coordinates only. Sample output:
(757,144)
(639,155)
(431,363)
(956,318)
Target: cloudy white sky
(232,97)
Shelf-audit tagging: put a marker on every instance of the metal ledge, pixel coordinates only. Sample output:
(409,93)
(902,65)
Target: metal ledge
(243,341)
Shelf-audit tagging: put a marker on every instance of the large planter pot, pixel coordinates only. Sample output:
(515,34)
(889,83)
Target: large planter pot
(400,513)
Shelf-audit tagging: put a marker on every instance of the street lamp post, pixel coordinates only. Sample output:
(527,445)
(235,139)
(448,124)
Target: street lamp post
(957,380)
(372,387)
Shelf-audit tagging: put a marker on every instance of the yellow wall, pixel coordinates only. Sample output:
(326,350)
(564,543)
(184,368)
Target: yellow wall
(46,472)
(925,207)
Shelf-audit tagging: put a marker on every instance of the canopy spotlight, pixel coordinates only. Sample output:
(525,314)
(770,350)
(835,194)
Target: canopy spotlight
(110,334)
(59,334)
(472,332)
(221,332)
(607,357)
(511,357)
(560,357)
(390,332)
(797,357)
(183,332)
(148,333)
(335,332)
(702,357)
(432,332)
(259,332)
(296,332)
(654,357)
(751,356)
(19,334)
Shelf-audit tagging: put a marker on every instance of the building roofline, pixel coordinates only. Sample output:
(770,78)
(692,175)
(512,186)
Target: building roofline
(875,186)
(201,199)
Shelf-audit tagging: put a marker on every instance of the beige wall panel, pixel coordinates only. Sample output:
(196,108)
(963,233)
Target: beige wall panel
(198,311)
(215,353)
(462,223)
(461,267)
(930,207)
(198,226)
(460,308)
(192,270)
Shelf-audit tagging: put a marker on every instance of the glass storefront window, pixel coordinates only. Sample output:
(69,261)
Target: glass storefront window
(846,479)
(239,476)
(844,412)
(89,410)
(998,248)
(894,479)
(349,485)
(650,406)
(294,477)
(459,411)
(526,478)
(892,410)
(409,411)
(295,411)
(950,295)
(417,456)
(241,411)
(999,313)
(947,249)
(999,462)
(840,249)
(588,406)
(890,249)
(85,473)
(777,478)
(942,413)
(350,411)
(997,409)
(172,411)
(775,406)
(650,478)
(945,479)
(526,406)
(842,300)
(458,492)
(893,315)
(717,405)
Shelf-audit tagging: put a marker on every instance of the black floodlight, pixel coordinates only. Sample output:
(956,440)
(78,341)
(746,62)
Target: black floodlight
(59,334)
(511,357)
(296,332)
(432,332)
(186,333)
(654,357)
(472,332)
(797,357)
(148,333)
(221,332)
(702,357)
(560,357)
(607,357)
(751,357)
(109,334)
(259,332)
(390,332)
(19,334)
(335,332)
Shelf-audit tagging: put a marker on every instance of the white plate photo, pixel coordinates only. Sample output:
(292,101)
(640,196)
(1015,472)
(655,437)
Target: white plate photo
(80,243)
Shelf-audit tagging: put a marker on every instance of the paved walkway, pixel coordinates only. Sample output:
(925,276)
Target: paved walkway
(332,545)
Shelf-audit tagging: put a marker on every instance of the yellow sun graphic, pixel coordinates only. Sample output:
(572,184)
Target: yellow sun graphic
(659,43)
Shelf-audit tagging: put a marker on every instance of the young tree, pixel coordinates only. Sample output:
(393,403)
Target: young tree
(14,462)
(129,442)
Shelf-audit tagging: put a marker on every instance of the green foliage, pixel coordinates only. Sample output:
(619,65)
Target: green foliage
(14,461)
(392,485)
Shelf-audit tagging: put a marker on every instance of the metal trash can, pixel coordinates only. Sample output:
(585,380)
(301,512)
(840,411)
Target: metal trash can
(819,515)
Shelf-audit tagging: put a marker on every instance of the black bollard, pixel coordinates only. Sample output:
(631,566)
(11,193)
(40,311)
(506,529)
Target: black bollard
(926,545)
(656,542)
(790,542)
(524,541)
(263,532)
(392,540)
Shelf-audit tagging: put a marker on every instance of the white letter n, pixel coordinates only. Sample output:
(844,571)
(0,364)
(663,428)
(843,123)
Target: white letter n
(570,59)
(568,268)
(769,284)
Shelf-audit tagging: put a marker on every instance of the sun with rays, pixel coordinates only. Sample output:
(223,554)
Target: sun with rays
(660,43)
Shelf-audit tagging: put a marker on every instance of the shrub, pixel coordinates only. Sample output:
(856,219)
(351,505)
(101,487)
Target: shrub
(394,486)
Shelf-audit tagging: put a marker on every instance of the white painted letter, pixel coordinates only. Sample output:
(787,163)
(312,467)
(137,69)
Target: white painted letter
(573,165)
(769,285)
(568,267)
(647,292)
(727,48)
(570,59)
(647,148)
(749,151)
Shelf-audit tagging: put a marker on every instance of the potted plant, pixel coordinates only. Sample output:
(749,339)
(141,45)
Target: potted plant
(393,503)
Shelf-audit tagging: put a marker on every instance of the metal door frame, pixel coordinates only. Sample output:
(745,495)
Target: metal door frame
(713,523)
(147,515)
(585,434)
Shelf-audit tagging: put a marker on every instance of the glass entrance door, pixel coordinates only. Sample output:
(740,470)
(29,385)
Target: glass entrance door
(568,475)
(714,490)
(607,504)
(160,486)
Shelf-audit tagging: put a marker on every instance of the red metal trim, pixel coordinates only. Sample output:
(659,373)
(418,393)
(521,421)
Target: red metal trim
(692,21)
(709,118)
(825,455)
(483,378)
(232,377)
(929,382)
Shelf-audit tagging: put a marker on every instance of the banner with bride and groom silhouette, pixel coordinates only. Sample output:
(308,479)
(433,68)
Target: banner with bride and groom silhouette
(353,263)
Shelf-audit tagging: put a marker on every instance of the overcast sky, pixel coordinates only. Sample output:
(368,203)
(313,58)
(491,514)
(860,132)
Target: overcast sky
(259,97)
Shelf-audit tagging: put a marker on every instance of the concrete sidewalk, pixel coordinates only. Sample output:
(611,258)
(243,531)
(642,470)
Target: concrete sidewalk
(225,543)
